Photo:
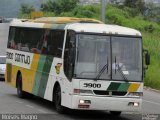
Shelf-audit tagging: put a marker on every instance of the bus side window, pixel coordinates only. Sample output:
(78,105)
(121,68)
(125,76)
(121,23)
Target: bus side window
(11,42)
(24,37)
(55,43)
(13,38)
(36,40)
(69,56)
(16,40)
(44,41)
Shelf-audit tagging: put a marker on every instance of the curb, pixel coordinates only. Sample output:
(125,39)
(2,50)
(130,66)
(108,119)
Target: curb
(151,89)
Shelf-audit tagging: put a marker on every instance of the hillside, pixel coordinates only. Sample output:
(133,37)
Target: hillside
(10,8)
(129,17)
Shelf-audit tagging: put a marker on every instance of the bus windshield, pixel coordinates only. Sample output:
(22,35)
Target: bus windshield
(106,58)
(93,53)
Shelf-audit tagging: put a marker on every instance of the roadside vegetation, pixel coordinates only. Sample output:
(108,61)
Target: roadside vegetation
(137,15)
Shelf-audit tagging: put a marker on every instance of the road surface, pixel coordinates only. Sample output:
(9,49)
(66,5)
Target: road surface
(10,103)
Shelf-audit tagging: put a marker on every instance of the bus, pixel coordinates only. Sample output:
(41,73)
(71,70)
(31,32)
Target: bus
(77,63)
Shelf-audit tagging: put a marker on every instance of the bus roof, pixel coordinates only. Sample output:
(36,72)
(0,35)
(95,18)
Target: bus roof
(64,20)
(76,24)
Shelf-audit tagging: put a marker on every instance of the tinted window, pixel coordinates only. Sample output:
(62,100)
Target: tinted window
(33,40)
(55,43)
(25,39)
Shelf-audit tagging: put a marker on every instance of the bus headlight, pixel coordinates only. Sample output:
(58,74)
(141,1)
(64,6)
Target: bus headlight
(84,101)
(135,94)
(135,104)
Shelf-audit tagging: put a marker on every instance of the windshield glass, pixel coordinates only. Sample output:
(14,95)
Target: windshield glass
(2,60)
(108,58)
(93,57)
(126,58)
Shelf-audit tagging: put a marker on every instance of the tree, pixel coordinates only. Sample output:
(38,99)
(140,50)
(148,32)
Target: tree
(152,12)
(138,5)
(59,6)
(26,8)
(130,3)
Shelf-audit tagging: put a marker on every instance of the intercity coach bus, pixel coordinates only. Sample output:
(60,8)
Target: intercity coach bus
(77,63)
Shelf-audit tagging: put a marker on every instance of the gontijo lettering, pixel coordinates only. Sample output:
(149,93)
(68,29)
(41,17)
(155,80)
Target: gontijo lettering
(22,58)
(9,55)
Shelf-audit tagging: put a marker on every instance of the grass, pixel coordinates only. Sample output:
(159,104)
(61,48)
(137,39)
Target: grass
(151,41)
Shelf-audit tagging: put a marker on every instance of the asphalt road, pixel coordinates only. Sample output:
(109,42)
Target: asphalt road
(11,104)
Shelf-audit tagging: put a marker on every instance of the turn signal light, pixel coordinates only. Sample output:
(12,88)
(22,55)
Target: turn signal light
(83,106)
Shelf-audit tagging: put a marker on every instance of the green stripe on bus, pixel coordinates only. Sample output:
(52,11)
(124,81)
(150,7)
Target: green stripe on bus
(45,76)
(113,86)
(38,74)
(123,87)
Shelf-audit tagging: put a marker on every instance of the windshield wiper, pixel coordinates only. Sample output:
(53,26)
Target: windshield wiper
(120,71)
(122,74)
(102,70)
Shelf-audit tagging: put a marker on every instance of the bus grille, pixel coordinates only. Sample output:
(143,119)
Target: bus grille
(109,93)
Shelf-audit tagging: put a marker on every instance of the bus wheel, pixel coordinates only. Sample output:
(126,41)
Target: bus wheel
(20,92)
(57,100)
(115,113)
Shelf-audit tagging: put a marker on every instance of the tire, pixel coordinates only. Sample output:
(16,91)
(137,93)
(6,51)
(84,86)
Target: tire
(20,92)
(57,100)
(115,113)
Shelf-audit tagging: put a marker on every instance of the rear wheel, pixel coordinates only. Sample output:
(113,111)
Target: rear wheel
(57,100)
(20,92)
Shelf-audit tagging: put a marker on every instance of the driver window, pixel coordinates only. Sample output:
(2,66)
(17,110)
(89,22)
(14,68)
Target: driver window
(69,54)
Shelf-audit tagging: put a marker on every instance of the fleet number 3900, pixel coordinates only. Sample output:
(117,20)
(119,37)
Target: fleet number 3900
(92,85)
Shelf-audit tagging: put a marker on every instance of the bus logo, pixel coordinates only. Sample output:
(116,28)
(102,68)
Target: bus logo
(58,66)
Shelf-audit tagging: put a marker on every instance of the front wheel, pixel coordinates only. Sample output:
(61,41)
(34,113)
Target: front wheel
(57,100)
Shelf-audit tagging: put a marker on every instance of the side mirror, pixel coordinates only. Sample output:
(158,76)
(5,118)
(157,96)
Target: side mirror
(147,58)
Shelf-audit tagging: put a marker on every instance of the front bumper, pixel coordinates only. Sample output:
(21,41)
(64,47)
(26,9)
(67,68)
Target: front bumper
(108,103)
